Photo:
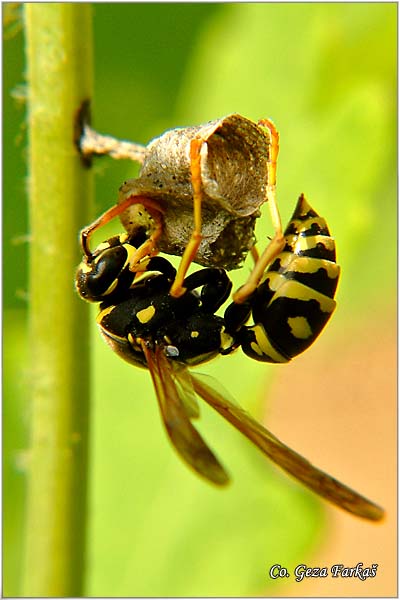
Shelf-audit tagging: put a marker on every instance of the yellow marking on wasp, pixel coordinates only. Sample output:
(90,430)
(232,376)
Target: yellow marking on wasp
(130,254)
(103,313)
(133,342)
(85,268)
(111,288)
(300,327)
(108,334)
(289,288)
(303,226)
(146,314)
(275,280)
(307,264)
(263,346)
(298,291)
(123,237)
(302,242)
(101,247)
(256,348)
(112,336)
(226,340)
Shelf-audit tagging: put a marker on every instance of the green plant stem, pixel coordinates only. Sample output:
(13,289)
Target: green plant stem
(59,70)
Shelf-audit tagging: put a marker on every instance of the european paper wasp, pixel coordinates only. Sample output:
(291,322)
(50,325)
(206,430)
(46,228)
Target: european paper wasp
(148,327)
(161,319)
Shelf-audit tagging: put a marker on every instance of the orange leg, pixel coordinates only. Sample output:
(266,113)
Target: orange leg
(277,243)
(254,254)
(149,247)
(190,252)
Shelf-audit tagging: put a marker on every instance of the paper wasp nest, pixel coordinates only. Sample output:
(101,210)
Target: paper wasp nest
(234,178)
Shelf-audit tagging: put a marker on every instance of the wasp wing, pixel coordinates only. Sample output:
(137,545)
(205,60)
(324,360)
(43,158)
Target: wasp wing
(186,392)
(181,432)
(318,481)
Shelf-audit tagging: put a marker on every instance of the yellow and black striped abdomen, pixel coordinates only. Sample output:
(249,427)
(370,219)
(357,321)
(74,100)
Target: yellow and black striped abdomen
(294,300)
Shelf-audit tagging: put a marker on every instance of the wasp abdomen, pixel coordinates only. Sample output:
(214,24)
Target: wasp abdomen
(294,300)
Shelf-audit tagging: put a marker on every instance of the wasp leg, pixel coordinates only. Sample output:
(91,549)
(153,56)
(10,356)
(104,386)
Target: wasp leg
(254,253)
(178,288)
(156,264)
(149,247)
(277,243)
(216,287)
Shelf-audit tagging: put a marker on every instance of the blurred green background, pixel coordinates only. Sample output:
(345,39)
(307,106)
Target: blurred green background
(326,75)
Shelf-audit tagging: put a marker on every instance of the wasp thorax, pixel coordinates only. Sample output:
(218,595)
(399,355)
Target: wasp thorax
(234,160)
